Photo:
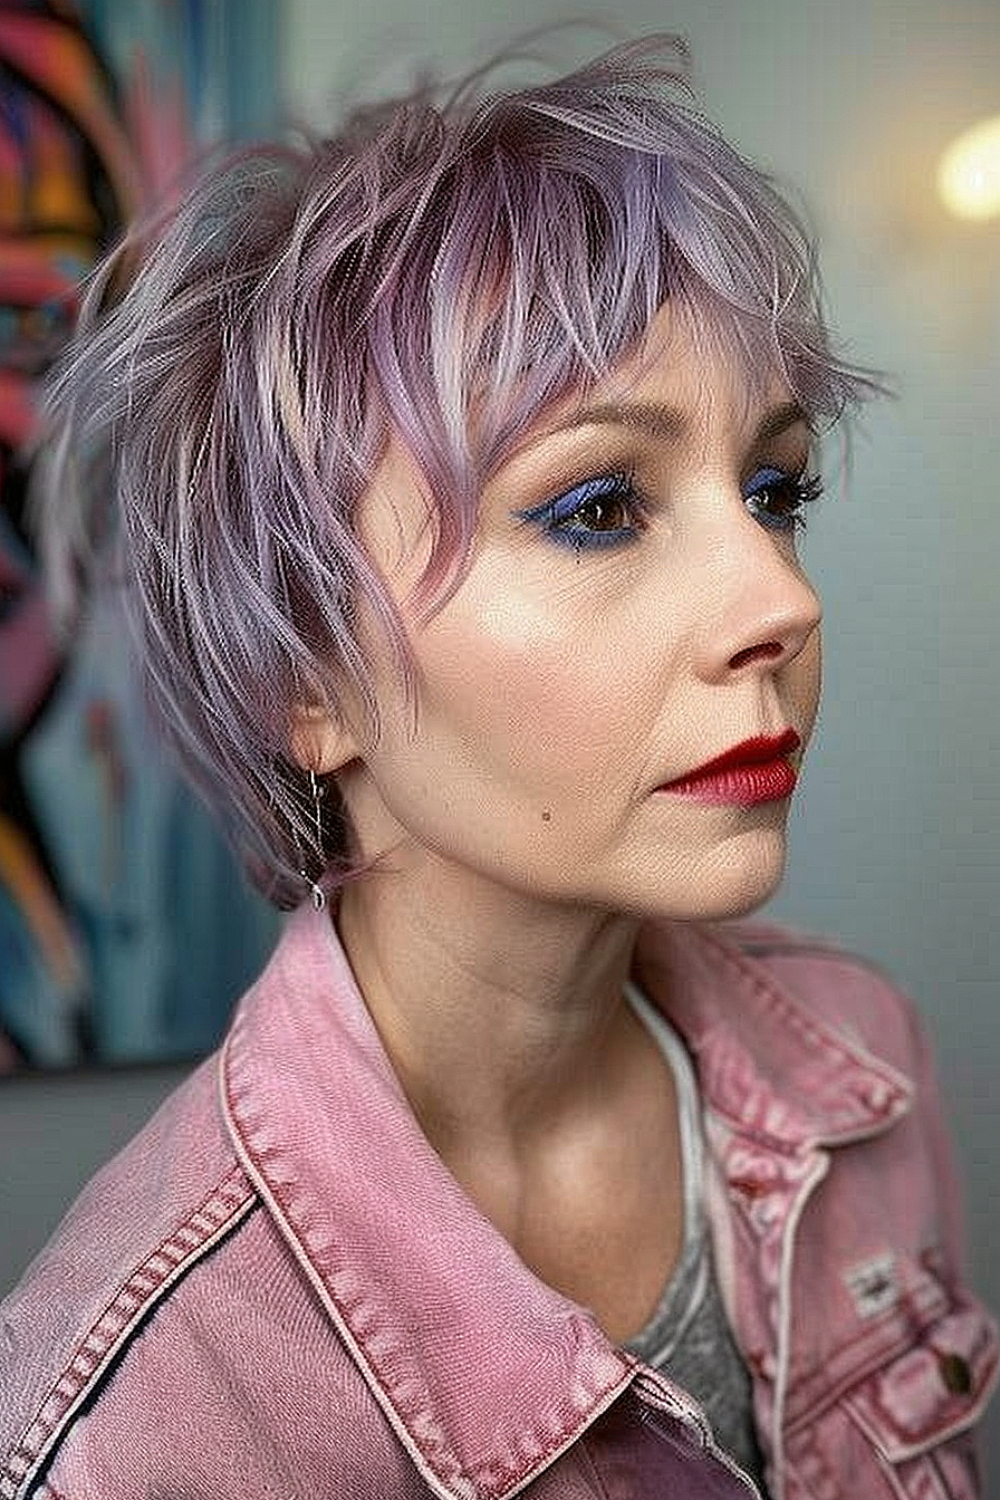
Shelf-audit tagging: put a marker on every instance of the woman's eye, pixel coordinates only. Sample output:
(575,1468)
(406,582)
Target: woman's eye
(601,512)
(778,499)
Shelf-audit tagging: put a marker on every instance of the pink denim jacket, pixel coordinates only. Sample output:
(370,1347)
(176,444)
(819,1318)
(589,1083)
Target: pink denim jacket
(278,1290)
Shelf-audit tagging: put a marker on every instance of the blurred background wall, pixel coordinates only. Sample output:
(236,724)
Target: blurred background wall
(896,839)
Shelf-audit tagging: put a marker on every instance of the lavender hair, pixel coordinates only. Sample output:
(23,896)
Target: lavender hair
(444,268)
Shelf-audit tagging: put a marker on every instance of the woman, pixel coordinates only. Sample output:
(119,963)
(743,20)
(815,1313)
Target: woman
(461,461)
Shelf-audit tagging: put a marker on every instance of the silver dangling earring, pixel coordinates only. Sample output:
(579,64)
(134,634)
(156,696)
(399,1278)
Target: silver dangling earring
(318,894)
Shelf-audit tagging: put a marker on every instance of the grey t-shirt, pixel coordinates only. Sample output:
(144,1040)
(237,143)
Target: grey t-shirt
(688,1337)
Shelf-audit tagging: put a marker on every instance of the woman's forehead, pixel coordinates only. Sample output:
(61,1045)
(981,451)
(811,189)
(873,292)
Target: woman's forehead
(676,380)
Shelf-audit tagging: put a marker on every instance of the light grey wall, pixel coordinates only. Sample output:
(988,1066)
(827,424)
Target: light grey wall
(55,1131)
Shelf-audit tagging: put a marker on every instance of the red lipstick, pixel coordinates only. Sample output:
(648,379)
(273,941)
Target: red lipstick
(756,770)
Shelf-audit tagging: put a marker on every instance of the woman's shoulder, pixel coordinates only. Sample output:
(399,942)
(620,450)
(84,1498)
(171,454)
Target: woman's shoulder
(140,1224)
(771,941)
(825,976)
(758,976)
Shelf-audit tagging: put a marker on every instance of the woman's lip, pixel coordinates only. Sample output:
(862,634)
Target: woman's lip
(756,770)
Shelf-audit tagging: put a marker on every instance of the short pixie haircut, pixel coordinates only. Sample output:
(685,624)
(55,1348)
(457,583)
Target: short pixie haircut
(442,269)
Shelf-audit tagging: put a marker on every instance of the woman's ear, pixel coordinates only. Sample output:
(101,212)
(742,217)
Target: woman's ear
(320,741)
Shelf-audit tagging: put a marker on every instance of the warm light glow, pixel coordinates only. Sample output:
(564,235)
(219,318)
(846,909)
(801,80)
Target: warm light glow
(969,174)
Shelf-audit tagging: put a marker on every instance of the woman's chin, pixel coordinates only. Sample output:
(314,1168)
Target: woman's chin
(752,879)
(735,879)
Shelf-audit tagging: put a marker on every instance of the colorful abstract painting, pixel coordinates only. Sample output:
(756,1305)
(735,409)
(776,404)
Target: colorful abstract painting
(126,927)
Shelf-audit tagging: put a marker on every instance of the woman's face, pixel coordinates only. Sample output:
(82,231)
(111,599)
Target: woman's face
(634,609)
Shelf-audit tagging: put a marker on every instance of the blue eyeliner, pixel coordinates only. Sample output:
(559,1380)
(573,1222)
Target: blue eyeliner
(565,517)
(778,499)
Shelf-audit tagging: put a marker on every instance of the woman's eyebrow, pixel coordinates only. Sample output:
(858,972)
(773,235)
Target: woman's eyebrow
(672,423)
(774,423)
(650,417)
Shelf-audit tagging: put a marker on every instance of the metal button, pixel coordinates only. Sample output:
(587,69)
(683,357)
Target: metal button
(955,1373)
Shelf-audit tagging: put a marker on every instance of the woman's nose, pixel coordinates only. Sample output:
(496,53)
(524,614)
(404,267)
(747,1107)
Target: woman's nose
(765,610)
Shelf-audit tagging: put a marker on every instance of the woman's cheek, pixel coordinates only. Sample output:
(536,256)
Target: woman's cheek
(808,685)
(522,690)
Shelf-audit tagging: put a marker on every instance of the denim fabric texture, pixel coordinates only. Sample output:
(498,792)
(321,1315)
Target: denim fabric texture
(278,1289)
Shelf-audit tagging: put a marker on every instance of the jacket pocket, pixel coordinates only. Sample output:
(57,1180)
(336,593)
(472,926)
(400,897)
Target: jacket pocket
(918,1411)
(933,1391)
(904,1429)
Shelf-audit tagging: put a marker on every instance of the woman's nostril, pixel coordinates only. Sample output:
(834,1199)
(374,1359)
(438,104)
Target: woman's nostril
(765,651)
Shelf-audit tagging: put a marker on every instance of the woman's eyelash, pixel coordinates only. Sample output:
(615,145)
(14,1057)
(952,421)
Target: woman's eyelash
(778,499)
(605,511)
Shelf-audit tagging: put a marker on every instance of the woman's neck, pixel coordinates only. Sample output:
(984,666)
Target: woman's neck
(495,1009)
(532,1078)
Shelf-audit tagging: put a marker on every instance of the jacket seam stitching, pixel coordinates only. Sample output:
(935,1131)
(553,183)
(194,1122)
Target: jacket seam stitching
(146,1285)
(810,1029)
(925,1307)
(435,1463)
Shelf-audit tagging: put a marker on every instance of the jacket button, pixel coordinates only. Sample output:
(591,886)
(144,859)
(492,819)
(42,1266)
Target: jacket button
(955,1373)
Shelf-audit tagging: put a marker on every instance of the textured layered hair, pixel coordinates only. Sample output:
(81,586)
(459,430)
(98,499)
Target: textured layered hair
(441,269)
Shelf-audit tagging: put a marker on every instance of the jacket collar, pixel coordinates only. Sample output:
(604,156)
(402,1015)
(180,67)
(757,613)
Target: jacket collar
(767,1059)
(392,1245)
(397,1252)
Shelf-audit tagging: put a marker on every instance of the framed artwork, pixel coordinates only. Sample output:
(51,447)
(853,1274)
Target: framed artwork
(127,929)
